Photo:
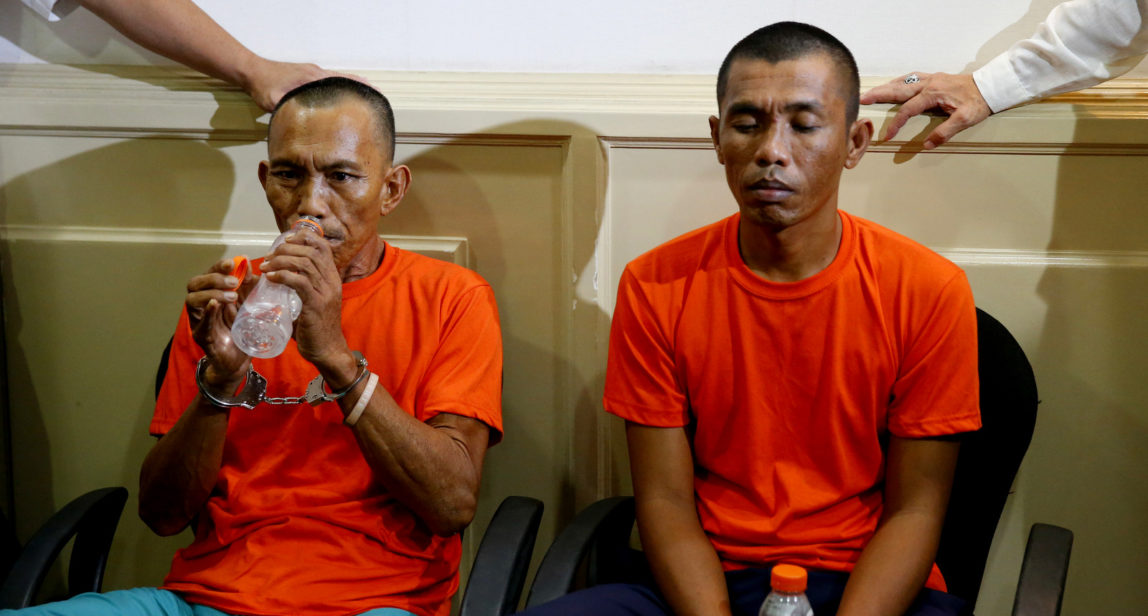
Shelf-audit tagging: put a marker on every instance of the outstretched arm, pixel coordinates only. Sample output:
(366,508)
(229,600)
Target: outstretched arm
(681,557)
(1080,44)
(895,564)
(181,31)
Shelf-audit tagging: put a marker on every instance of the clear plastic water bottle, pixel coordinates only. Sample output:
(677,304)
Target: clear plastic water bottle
(787,597)
(263,325)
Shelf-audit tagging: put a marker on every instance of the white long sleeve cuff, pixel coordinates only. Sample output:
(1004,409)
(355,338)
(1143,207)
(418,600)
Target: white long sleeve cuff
(1080,44)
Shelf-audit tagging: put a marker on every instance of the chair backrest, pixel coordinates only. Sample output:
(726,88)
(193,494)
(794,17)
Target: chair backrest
(989,458)
(500,564)
(89,518)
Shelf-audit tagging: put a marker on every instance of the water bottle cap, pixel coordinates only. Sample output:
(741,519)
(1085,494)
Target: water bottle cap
(308,221)
(239,269)
(788,578)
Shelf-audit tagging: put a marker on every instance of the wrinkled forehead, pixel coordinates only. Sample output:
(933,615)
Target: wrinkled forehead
(346,123)
(811,78)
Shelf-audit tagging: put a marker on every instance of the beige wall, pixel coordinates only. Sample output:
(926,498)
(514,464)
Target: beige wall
(117,184)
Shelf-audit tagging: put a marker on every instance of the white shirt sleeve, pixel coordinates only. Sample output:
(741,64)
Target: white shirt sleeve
(1080,44)
(52,10)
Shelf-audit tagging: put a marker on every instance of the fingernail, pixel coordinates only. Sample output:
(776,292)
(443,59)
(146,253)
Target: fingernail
(231,281)
(930,145)
(230,296)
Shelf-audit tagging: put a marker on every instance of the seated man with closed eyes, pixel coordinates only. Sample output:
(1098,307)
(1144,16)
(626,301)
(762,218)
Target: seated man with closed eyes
(790,376)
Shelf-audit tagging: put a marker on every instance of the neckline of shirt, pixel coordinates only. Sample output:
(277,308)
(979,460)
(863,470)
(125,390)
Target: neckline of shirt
(769,289)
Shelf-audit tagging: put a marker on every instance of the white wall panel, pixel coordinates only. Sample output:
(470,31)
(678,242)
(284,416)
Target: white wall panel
(116,186)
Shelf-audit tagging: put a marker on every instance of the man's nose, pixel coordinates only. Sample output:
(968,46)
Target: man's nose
(773,148)
(312,198)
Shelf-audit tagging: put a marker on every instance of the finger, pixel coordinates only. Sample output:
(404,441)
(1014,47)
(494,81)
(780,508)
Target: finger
(197,302)
(892,92)
(216,280)
(201,329)
(308,246)
(946,131)
(897,90)
(912,107)
(358,78)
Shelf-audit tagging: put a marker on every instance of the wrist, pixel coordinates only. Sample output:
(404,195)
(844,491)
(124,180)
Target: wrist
(339,370)
(247,68)
(222,381)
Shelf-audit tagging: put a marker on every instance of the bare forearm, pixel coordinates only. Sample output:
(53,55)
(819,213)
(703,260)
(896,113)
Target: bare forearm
(429,468)
(893,567)
(180,471)
(181,31)
(682,559)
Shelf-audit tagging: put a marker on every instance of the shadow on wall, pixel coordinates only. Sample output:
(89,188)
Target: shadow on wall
(530,230)
(1020,29)
(1087,454)
(80,36)
(87,320)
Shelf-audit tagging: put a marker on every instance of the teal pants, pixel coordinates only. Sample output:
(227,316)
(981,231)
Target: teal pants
(142,602)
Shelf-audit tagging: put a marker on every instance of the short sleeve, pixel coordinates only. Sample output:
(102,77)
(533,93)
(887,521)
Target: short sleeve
(465,374)
(641,379)
(179,388)
(52,10)
(937,389)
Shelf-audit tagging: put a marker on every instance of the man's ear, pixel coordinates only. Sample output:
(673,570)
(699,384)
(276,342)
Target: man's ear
(395,188)
(715,131)
(264,167)
(860,135)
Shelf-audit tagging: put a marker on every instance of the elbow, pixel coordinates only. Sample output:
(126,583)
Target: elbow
(157,511)
(454,517)
(161,523)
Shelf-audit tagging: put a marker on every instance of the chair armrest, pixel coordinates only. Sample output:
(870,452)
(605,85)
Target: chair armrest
(92,519)
(503,558)
(1043,571)
(608,521)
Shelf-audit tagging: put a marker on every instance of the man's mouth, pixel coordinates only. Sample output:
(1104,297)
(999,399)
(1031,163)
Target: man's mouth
(770,190)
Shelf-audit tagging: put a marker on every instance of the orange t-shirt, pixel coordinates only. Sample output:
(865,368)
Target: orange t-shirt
(790,390)
(297,523)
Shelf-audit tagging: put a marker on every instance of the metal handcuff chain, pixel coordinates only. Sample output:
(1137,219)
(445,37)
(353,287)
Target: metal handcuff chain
(255,388)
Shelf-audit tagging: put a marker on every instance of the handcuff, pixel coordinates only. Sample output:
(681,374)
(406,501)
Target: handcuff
(254,389)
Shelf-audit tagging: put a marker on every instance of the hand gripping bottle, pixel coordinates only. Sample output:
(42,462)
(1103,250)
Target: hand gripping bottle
(263,325)
(788,595)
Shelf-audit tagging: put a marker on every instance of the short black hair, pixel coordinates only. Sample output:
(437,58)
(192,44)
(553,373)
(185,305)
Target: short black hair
(330,90)
(789,40)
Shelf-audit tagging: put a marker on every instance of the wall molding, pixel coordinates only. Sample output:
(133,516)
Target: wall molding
(1073,259)
(452,249)
(173,102)
(903,147)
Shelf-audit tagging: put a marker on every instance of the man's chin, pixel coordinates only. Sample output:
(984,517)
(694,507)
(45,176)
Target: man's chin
(774,216)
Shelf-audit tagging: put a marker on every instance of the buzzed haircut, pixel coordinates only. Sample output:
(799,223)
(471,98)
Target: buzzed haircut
(790,40)
(330,90)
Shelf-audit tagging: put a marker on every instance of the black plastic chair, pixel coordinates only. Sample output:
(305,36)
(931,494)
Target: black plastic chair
(92,519)
(503,558)
(594,548)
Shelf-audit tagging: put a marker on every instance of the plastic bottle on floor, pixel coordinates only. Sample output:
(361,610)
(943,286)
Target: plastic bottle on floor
(788,595)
